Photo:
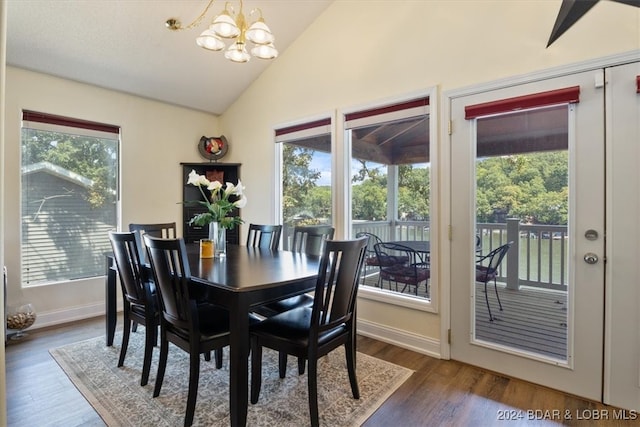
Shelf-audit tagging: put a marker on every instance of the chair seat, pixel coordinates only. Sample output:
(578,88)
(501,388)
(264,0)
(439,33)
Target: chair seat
(484,274)
(293,326)
(406,274)
(386,260)
(274,308)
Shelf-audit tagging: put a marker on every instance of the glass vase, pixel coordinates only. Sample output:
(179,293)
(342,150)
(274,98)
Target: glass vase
(19,318)
(218,235)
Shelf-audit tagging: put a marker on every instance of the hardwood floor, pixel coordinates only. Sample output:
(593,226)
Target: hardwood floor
(440,393)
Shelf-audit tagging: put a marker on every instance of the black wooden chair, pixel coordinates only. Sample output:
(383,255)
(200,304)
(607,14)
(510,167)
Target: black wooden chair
(165,230)
(312,332)
(309,240)
(264,236)
(139,298)
(489,271)
(197,328)
(401,264)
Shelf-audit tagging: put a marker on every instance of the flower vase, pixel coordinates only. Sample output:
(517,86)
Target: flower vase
(218,235)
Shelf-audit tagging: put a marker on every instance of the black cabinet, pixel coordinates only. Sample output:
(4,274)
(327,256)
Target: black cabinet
(223,172)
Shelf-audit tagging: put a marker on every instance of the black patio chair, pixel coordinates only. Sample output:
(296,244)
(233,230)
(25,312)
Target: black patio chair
(488,272)
(402,264)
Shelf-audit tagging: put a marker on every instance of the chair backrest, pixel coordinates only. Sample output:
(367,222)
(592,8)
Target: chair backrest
(127,258)
(394,254)
(495,257)
(170,266)
(264,236)
(310,239)
(337,285)
(165,230)
(373,239)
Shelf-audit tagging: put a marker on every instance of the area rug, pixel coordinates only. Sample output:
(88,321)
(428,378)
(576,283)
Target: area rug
(116,395)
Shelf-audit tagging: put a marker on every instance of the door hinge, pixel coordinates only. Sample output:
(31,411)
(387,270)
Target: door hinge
(450,232)
(450,127)
(449,336)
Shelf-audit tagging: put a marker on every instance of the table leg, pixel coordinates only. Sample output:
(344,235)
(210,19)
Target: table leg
(238,362)
(110,299)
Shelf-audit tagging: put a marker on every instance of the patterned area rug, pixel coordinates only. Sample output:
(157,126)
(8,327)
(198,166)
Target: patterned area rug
(117,396)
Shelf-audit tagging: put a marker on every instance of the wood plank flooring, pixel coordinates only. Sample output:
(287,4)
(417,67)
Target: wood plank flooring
(440,393)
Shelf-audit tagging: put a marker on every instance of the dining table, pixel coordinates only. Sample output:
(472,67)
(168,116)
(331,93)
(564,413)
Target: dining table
(422,246)
(240,281)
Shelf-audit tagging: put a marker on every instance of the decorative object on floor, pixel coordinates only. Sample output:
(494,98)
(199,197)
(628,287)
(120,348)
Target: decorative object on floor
(219,207)
(116,395)
(213,148)
(231,25)
(19,318)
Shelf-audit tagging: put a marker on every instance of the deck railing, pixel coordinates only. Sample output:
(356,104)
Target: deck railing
(538,254)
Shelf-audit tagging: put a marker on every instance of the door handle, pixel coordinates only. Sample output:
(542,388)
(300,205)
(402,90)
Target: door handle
(590,258)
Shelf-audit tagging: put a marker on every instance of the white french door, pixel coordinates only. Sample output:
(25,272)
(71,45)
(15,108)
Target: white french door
(569,129)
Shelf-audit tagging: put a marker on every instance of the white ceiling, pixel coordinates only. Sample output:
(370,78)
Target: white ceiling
(124,45)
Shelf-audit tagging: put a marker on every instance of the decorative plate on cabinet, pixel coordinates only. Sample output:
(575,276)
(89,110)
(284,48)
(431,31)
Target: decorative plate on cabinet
(213,147)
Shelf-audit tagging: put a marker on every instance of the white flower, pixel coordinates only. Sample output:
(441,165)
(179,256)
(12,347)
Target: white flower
(214,186)
(242,202)
(196,179)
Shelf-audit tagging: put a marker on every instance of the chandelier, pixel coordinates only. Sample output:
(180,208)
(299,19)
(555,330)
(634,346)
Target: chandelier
(231,25)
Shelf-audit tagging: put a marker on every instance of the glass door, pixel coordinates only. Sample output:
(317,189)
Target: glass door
(528,187)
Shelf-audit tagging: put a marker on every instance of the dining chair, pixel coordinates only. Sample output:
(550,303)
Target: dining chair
(139,298)
(165,230)
(402,264)
(309,240)
(264,236)
(197,328)
(488,272)
(312,332)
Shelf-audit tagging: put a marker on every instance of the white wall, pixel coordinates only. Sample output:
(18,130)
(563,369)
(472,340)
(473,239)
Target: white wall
(355,53)
(360,52)
(156,137)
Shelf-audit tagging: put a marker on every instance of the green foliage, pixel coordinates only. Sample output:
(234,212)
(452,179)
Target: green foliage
(299,182)
(90,157)
(532,187)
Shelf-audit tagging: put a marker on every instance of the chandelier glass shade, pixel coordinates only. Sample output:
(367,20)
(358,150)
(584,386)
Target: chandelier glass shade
(230,25)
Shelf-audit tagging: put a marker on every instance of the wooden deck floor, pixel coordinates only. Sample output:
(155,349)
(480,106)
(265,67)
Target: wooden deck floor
(533,320)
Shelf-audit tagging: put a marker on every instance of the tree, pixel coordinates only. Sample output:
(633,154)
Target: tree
(89,157)
(532,187)
(298,179)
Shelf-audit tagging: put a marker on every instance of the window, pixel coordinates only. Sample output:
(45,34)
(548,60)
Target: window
(306,175)
(390,193)
(69,194)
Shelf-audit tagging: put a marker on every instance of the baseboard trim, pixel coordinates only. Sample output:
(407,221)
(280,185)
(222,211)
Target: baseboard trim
(71,314)
(414,342)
